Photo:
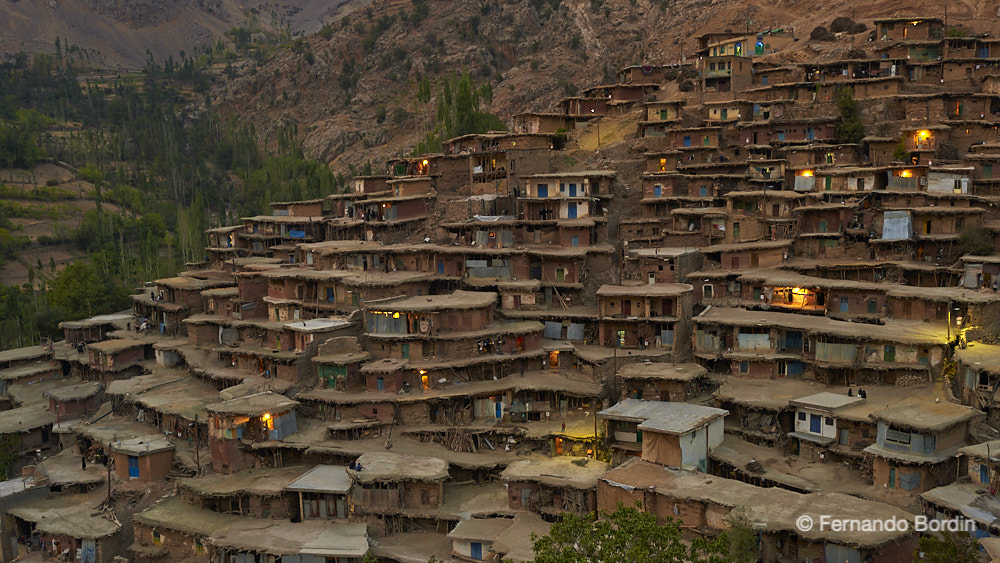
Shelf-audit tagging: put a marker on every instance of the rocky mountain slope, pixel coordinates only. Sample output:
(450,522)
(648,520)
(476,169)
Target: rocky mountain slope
(117,33)
(352,90)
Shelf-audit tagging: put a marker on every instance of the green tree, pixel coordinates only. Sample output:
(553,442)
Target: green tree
(625,535)
(8,454)
(850,129)
(742,536)
(899,153)
(82,290)
(976,240)
(949,547)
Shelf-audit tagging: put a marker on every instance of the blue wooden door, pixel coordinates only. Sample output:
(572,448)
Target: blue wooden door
(815,423)
(984,474)
(477,550)
(572,190)
(133,466)
(543,190)
(571,210)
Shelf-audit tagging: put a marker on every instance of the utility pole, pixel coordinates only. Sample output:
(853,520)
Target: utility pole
(108,464)
(197,445)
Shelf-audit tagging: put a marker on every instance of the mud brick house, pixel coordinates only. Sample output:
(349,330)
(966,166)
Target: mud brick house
(661,264)
(723,75)
(621,94)
(26,373)
(69,523)
(980,271)
(533,123)
(30,427)
(815,417)
(972,496)
(20,356)
(322,492)
(909,29)
(395,484)
(760,215)
(917,444)
(257,492)
(220,301)
(376,183)
(664,111)
(746,255)
(95,328)
(115,359)
(170,300)
(262,232)
(313,541)
(224,243)
(174,529)
(765,344)
(72,402)
(565,195)
(767,173)
(146,458)
(550,486)
(694,226)
(727,111)
(972,501)
(978,376)
(745,44)
(647,315)
(676,434)
(661,381)
(434,334)
(497,539)
(822,228)
(338,361)
(702,502)
(840,179)
(255,418)
(646,73)
(582,107)
(305,208)
(687,138)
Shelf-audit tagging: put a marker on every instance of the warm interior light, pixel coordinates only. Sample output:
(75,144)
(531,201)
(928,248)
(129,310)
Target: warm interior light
(923,133)
(905,174)
(806,173)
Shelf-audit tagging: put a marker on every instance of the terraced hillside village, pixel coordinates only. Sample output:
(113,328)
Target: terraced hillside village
(750,283)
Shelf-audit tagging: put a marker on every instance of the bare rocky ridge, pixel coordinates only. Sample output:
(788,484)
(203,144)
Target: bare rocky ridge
(119,32)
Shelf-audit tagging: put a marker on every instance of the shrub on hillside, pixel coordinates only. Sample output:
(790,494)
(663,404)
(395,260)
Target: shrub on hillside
(821,33)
